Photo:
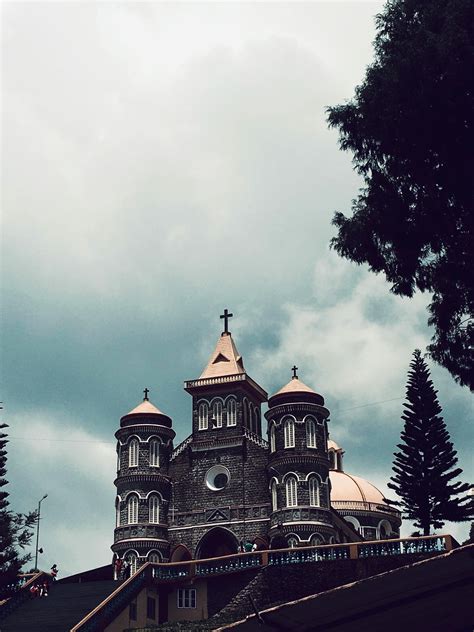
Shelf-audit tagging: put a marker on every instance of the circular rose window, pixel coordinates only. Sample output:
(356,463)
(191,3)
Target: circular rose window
(217,477)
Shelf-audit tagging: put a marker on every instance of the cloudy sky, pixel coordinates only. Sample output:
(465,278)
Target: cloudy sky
(161,162)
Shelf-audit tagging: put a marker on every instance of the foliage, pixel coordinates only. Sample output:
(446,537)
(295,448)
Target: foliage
(15,530)
(424,464)
(410,129)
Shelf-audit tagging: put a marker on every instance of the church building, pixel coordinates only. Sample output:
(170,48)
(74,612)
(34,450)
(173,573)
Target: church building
(232,482)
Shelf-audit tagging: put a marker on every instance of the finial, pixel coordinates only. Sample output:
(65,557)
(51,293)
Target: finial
(145,392)
(294,368)
(226,317)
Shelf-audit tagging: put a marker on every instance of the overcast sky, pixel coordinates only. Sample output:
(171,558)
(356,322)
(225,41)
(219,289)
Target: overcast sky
(161,162)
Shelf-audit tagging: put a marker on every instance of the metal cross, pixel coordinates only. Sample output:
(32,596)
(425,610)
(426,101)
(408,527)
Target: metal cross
(226,317)
(146,391)
(294,368)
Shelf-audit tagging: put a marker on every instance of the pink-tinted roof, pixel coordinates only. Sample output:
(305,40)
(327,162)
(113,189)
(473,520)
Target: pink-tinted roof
(353,488)
(295,385)
(225,359)
(332,445)
(145,408)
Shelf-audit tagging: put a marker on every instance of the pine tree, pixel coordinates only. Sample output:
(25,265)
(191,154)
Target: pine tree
(424,465)
(15,530)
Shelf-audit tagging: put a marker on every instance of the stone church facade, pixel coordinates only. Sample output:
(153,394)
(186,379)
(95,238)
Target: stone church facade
(226,484)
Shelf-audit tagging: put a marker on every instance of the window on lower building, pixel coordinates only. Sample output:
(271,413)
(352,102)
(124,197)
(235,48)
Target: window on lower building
(274,496)
(292,541)
(272,439)
(151,608)
(217,413)
(133,611)
(186,597)
(133,453)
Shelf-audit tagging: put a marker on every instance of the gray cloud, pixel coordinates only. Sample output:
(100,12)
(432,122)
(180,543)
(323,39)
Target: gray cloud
(161,162)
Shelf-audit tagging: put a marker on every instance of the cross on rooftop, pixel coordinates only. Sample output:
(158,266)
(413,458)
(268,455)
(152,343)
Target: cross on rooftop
(145,392)
(226,317)
(294,368)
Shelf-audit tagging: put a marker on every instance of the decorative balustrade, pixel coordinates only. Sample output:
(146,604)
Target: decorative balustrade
(360,505)
(21,593)
(322,553)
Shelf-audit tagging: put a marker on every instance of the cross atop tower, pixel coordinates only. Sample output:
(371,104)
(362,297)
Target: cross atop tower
(294,368)
(145,392)
(226,317)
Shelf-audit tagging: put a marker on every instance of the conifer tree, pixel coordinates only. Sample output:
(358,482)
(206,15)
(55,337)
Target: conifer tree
(15,530)
(423,467)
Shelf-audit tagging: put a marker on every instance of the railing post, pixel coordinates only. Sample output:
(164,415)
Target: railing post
(448,542)
(353,551)
(264,558)
(192,569)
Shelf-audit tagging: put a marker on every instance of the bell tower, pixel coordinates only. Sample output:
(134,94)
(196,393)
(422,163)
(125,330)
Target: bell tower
(298,465)
(220,471)
(144,444)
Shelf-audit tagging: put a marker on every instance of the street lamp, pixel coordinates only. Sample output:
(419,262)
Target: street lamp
(37,531)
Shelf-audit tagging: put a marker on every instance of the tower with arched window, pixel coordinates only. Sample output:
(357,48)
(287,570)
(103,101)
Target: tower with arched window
(144,490)
(298,466)
(218,471)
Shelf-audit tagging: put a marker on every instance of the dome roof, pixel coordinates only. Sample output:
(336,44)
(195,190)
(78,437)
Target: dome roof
(145,408)
(296,387)
(332,445)
(346,487)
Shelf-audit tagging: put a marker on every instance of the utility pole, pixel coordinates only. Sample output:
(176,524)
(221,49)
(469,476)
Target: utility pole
(38,530)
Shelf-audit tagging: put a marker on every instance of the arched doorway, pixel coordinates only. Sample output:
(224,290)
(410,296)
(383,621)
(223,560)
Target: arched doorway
(217,542)
(180,553)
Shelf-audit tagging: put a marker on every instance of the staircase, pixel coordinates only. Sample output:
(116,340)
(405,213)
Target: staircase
(65,606)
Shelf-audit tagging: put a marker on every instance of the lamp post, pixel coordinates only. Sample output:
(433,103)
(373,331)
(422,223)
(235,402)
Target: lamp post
(37,531)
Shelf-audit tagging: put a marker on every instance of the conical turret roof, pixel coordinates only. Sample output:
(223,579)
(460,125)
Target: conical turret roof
(145,408)
(225,360)
(146,412)
(294,391)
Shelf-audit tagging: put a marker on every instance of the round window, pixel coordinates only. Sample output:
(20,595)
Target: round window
(217,478)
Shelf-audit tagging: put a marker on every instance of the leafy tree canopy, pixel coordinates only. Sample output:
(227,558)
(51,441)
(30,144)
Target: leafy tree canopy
(425,466)
(15,530)
(410,129)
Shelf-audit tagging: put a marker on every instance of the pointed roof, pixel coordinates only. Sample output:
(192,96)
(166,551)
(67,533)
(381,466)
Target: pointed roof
(295,385)
(145,408)
(294,390)
(225,359)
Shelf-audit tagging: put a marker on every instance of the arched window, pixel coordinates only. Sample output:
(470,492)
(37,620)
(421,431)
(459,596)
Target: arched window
(311,433)
(289,432)
(339,461)
(133,453)
(313,492)
(154,509)
(332,460)
(258,422)
(231,412)
(154,453)
(291,492)
(217,413)
(154,557)
(274,496)
(315,540)
(292,541)
(245,406)
(132,560)
(119,452)
(272,439)
(132,509)
(203,416)
(117,512)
